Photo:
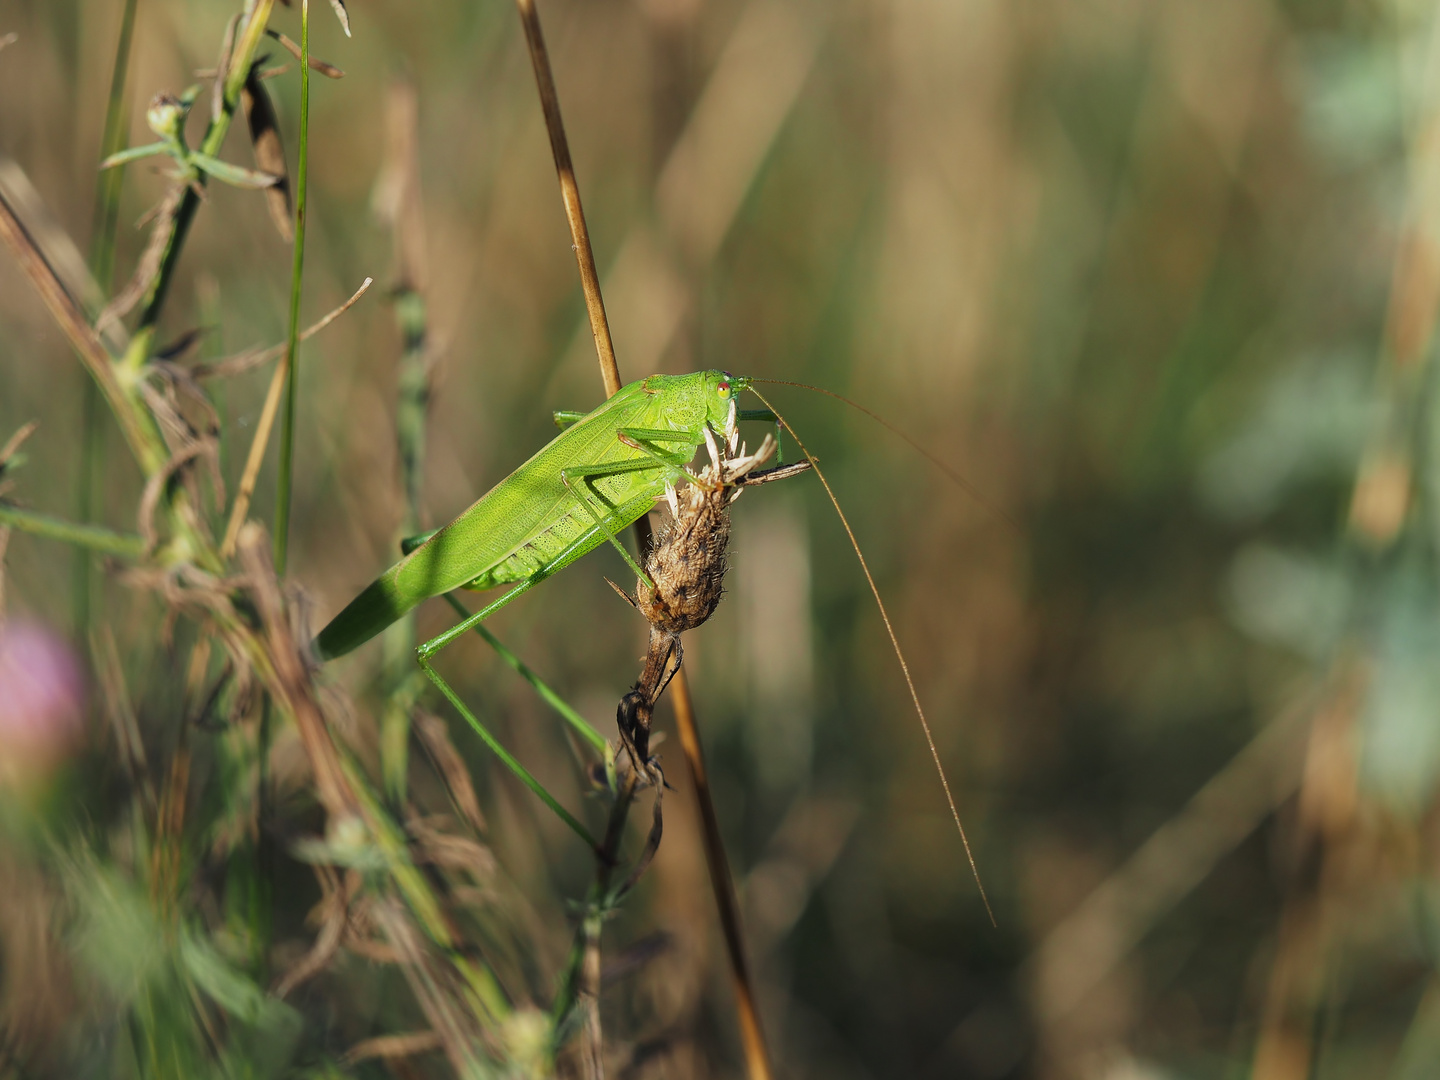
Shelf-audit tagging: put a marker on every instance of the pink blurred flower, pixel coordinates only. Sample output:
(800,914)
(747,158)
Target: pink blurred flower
(41,702)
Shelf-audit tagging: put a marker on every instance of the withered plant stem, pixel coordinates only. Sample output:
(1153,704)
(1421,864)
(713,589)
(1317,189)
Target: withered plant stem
(756,1056)
(144,441)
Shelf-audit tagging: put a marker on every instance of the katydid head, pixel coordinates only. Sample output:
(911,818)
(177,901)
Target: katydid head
(721,393)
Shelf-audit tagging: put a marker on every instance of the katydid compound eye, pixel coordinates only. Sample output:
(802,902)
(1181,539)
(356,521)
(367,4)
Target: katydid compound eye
(724,388)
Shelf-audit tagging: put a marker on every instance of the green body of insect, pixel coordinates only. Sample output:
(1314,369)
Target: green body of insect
(595,478)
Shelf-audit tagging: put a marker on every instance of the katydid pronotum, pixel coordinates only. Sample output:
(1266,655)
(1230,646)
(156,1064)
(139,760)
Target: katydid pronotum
(599,475)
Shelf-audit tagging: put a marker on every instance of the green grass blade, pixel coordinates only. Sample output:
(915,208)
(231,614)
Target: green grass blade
(104,225)
(287,421)
(93,537)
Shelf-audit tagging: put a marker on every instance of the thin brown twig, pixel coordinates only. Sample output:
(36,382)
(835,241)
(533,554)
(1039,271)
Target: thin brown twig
(256,357)
(570,192)
(757,1057)
(17,440)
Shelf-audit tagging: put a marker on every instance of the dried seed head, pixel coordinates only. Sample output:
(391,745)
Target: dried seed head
(687,562)
(166,116)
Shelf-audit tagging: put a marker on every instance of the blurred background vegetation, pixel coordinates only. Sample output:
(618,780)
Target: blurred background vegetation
(1159,278)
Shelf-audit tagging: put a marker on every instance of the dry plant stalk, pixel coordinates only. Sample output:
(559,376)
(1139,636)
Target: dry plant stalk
(756,1054)
(686,564)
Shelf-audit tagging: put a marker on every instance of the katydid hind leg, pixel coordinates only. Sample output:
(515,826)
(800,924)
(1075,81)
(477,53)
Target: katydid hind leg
(507,758)
(566,711)
(424,654)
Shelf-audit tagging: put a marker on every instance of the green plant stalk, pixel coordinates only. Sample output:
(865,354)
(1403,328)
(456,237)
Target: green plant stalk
(287,422)
(102,267)
(110,182)
(86,537)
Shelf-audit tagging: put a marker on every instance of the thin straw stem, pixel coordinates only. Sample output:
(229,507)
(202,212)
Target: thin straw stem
(570,192)
(757,1057)
(287,422)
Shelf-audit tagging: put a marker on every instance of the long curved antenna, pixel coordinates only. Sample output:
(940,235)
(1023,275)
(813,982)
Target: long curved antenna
(965,485)
(895,643)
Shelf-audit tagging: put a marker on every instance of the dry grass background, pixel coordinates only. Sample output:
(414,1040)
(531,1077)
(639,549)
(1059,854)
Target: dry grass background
(1157,277)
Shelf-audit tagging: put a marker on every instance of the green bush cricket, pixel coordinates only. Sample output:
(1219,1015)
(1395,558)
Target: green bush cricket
(601,473)
(604,471)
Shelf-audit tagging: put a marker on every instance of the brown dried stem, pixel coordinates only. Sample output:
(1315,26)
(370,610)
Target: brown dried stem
(145,444)
(756,1054)
(570,192)
(757,1058)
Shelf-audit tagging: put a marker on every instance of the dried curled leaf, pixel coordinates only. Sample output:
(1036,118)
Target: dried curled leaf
(342,15)
(150,260)
(329,70)
(222,68)
(269,152)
